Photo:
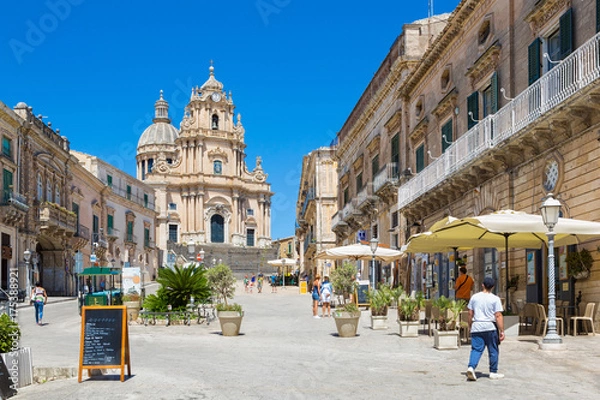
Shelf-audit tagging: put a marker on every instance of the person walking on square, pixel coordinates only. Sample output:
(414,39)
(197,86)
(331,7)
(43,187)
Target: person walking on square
(260,283)
(463,285)
(252,282)
(316,293)
(39,298)
(487,329)
(326,295)
(246,282)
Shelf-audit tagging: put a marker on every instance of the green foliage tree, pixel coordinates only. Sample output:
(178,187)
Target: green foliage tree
(9,332)
(343,280)
(178,285)
(222,282)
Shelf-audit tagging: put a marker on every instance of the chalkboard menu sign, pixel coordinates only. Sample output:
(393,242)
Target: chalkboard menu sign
(104,339)
(361,293)
(7,386)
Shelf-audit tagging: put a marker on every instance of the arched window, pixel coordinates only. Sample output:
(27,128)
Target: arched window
(40,188)
(57,194)
(215,122)
(150,164)
(217,167)
(49,191)
(217,229)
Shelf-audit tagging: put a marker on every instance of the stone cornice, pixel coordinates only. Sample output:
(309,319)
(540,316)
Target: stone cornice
(358,163)
(374,144)
(217,153)
(394,122)
(544,11)
(446,105)
(419,132)
(485,64)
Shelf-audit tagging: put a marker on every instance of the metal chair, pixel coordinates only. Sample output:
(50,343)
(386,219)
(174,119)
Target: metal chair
(588,316)
(528,318)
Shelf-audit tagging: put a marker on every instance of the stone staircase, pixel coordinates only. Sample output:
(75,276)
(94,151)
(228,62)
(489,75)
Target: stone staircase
(241,260)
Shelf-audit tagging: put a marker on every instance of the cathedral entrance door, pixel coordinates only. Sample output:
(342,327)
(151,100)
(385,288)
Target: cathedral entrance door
(217,229)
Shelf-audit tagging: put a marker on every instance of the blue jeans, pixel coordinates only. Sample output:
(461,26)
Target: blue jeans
(481,340)
(39,311)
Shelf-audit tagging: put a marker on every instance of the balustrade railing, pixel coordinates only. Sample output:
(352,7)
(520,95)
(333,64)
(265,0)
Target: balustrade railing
(577,71)
(388,174)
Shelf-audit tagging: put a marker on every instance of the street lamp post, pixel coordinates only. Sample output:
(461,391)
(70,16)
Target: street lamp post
(374,244)
(27,258)
(201,257)
(550,210)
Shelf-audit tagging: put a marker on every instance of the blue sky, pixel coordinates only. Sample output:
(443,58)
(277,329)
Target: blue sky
(296,69)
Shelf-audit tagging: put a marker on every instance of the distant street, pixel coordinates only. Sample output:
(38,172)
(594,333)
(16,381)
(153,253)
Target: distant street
(284,353)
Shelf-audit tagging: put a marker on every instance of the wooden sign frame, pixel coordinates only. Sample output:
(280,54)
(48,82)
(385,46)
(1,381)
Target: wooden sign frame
(360,286)
(124,343)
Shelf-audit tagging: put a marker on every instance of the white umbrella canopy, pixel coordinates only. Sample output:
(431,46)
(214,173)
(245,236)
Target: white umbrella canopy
(286,262)
(360,252)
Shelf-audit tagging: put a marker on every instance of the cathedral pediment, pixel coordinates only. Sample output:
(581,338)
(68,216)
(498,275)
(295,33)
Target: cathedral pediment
(217,153)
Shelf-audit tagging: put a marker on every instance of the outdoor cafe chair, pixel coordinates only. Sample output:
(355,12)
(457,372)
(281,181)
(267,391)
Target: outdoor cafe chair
(588,316)
(543,321)
(528,318)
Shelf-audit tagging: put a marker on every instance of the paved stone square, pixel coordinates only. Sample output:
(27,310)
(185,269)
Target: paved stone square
(284,353)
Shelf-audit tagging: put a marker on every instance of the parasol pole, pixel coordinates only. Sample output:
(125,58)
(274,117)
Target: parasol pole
(506,235)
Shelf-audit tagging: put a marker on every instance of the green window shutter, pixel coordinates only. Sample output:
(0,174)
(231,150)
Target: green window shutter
(109,180)
(374,166)
(447,133)
(7,184)
(473,107)
(534,60)
(395,149)
(110,223)
(420,158)
(495,91)
(566,33)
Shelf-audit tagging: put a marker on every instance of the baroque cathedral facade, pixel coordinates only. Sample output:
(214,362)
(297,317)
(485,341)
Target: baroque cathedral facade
(205,193)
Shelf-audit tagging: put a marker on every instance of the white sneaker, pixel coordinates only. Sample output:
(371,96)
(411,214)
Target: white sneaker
(496,375)
(317,317)
(471,374)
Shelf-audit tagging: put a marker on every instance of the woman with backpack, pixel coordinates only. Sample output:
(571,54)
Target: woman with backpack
(39,298)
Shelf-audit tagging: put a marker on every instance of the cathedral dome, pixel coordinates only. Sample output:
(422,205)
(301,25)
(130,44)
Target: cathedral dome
(212,84)
(161,131)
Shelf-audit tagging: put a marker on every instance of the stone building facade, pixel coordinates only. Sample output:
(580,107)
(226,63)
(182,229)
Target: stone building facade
(205,193)
(123,226)
(370,149)
(316,205)
(501,111)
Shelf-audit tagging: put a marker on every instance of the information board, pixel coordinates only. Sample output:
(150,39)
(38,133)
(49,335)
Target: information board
(361,293)
(104,341)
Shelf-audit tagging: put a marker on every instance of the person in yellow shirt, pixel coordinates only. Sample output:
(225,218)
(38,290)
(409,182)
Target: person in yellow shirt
(463,285)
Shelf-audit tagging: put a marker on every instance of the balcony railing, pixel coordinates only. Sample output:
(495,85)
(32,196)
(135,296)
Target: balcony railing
(577,71)
(83,232)
(130,238)
(112,233)
(389,174)
(310,195)
(335,220)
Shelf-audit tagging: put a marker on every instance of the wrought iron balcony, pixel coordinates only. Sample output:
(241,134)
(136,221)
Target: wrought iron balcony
(13,208)
(578,71)
(130,238)
(387,176)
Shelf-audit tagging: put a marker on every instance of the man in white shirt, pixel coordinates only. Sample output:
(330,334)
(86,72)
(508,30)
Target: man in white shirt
(485,313)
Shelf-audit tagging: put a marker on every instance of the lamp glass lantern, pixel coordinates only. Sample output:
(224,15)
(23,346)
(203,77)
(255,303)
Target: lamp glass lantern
(374,243)
(550,211)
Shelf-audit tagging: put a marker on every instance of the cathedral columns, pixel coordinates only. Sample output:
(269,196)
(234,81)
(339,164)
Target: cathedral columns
(200,160)
(184,155)
(236,213)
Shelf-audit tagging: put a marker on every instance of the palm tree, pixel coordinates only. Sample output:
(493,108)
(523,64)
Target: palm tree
(180,284)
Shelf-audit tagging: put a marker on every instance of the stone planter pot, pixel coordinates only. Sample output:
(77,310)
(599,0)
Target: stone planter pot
(445,340)
(409,328)
(511,325)
(346,323)
(230,321)
(379,322)
(133,310)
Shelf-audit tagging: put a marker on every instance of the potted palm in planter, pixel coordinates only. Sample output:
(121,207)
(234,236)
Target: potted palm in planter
(132,302)
(379,301)
(408,317)
(447,335)
(222,282)
(347,315)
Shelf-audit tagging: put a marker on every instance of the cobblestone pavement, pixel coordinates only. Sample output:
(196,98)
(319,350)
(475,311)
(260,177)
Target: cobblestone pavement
(284,353)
